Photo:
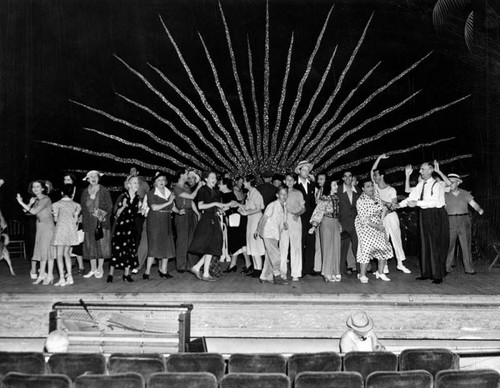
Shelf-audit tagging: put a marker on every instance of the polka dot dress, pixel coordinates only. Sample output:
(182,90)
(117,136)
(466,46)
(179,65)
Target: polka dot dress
(372,243)
(123,245)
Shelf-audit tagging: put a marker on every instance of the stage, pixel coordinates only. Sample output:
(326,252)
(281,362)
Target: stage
(237,313)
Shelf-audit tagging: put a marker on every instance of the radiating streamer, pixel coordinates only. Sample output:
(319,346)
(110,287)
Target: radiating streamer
(387,131)
(228,164)
(137,128)
(129,161)
(135,144)
(238,83)
(305,116)
(279,113)
(177,111)
(366,101)
(339,83)
(342,137)
(260,151)
(302,82)
(372,158)
(308,142)
(242,141)
(267,71)
(223,98)
(231,146)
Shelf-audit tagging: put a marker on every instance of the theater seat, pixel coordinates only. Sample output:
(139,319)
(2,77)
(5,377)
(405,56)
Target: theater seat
(313,362)
(124,380)
(23,380)
(405,379)
(144,364)
(22,362)
(480,378)
(431,360)
(76,364)
(368,362)
(329,380)
(257,363)
(197,362)
(255,380)
(182,380)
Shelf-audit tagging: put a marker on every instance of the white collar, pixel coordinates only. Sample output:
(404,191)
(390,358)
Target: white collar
(160,194)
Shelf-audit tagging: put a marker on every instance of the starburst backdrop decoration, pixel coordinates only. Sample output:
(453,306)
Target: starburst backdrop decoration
(247,129)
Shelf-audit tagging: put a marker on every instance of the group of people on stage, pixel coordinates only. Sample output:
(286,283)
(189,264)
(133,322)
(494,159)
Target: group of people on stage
(286,227)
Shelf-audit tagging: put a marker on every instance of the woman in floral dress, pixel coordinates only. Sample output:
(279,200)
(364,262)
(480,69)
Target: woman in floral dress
(123,240)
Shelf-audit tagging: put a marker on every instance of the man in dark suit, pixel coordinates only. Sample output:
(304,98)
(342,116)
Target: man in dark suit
(267,189)
(307,188)
(348,195)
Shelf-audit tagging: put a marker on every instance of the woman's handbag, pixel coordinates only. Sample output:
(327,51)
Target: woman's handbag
(98,234)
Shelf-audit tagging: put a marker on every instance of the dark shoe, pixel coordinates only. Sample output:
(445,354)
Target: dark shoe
(313,273)
(256,273)
(80,271)
(181,270)
(280,281)
(208,278)
(471,273)
(248,270)
(109,279)
(195,273)
(128,278)
(349,271)
(230,269)
(266,281)
(437,281)
(165,275)
(422,278)
(145,276)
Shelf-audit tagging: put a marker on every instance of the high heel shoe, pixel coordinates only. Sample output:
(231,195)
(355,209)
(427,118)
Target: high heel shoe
(128,278)
(60,283)
(230,269)
(69,280)
(145,276)
(381,276)
(49,279)
(247,270)
(165,275)
(109,279)
(33,275)
(41,278)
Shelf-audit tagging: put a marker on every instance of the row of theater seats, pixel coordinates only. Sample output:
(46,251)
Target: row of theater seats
(354,365)
(408,379)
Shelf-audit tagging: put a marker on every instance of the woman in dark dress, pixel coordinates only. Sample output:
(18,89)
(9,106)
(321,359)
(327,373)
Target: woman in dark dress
(236,235)
(160,205)
(124,234)
(207,239)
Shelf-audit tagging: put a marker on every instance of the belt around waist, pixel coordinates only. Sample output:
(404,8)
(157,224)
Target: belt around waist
(164,211)
(458,215)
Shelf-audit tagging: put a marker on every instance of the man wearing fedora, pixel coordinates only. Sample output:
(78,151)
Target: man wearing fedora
(306,187)
(457,201)
(360,336)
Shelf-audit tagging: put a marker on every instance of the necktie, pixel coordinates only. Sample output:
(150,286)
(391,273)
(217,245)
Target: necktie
(423,189)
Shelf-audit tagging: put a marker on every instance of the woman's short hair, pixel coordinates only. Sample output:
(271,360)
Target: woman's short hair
(71,176)
(41,182)
(180,172)
(68,189)
(251,179)
(205,174)
(228,182)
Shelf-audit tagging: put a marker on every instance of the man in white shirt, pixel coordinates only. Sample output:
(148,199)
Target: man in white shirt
(434,227)
(391,220)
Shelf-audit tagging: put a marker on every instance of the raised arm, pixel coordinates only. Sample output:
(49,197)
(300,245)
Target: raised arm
(441,174)
(375,165)
(408,171)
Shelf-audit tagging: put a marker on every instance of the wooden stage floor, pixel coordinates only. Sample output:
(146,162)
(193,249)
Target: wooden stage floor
(457,283)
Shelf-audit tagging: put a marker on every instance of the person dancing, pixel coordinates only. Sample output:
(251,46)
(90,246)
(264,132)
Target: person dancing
(372,239)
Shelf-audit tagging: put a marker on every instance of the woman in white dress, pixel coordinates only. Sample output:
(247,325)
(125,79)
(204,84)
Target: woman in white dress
(254,205)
